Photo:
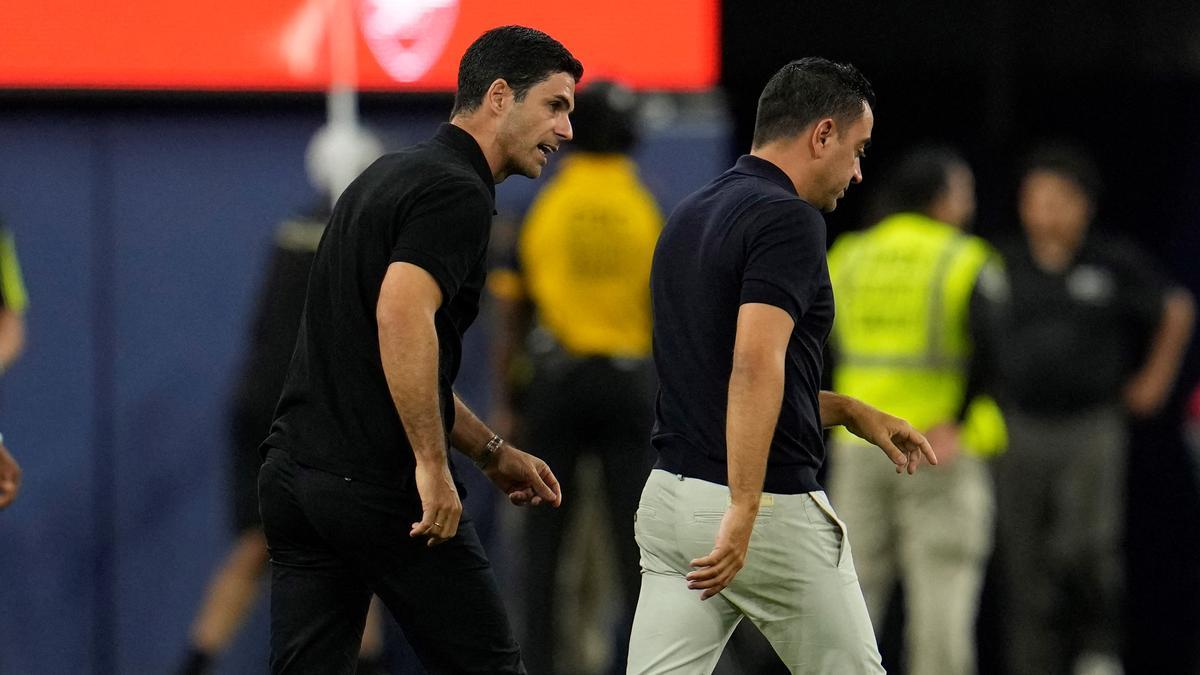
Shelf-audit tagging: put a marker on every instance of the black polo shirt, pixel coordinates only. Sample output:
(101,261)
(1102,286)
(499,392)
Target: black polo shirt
(745,237)
(1075,337)
(430,205)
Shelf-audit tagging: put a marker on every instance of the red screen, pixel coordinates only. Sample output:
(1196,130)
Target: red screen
(396,45)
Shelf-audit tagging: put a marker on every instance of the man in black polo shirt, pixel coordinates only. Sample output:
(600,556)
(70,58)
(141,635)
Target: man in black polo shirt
(357,493)
(1093,333)
(742,308)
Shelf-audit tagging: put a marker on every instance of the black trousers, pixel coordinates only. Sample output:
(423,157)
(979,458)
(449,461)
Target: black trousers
(575,407)
(335,541)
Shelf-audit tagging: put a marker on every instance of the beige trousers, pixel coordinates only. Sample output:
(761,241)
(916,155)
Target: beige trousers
(931,532)
(798,585)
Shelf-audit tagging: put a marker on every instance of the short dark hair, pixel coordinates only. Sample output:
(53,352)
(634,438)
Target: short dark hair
(520,56)
(1068,161)
(807,90)
(605,118)
(919,179)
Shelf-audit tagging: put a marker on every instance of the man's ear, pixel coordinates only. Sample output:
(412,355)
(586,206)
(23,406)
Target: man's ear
(822,134)
(499,96)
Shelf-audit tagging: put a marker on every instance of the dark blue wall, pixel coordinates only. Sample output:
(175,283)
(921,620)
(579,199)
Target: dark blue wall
(142,233)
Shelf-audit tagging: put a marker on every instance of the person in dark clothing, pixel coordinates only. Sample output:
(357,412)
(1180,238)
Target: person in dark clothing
(1092,332)
(235,585)
(732,521)
(356,489)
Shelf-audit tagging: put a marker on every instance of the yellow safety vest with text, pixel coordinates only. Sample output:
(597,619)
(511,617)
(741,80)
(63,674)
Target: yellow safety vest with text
(901,336)
(584,257)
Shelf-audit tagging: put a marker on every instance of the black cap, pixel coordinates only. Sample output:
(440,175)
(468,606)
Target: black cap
(605,118)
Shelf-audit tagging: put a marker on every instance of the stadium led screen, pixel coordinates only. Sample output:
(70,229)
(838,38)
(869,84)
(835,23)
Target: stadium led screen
(285,45)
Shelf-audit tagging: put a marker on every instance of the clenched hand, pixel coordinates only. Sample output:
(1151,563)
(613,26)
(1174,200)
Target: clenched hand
(441,508)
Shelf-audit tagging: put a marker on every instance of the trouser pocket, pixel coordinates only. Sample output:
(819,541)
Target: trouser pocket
(821,515)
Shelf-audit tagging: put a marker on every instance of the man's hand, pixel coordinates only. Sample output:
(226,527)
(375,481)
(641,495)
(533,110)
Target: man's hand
(10,477)
(716,570)
(441,509)
(903,444)
(944,438)
(526,479)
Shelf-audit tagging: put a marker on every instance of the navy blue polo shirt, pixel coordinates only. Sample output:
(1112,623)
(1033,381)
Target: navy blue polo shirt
(744,237)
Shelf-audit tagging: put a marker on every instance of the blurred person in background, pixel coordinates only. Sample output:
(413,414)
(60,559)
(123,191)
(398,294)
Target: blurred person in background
(13,302)
(233,590)
(574,354)
(1093,332)
(732,521)
(912,297)
(10,476)
(357,491)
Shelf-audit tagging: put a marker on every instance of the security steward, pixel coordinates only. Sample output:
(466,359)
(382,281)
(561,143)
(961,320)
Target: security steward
(912,294)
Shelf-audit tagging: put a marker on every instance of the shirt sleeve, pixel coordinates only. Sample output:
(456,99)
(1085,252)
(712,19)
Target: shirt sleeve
(1142,286)
(445,233)
(785,258)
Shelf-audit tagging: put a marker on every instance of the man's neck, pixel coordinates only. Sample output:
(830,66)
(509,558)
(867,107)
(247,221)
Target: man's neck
(788,159)
(1052,256)
(484,134)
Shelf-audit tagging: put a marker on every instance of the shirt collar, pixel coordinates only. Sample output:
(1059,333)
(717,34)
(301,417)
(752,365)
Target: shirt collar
(757,166)
(465,146)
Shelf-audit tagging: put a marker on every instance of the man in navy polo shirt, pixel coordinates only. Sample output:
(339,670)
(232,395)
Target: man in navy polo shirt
(742,308)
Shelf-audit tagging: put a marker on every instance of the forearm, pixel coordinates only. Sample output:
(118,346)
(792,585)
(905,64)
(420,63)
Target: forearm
(837,409)
(470,435)
(755,397)
(1170,341)
(408,347)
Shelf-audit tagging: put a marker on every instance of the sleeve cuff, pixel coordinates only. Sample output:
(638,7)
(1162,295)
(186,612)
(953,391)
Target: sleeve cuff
(430,264)
(767,293)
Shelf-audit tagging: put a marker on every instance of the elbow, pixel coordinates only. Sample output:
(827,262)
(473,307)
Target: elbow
(758,364)
(402,323)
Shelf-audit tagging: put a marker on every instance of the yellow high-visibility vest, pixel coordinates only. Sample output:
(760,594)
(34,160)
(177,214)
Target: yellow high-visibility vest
(584,252)
(901,336)
(12,283)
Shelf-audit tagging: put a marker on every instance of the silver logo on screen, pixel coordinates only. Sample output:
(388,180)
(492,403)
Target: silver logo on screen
(407,36)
